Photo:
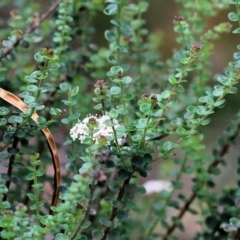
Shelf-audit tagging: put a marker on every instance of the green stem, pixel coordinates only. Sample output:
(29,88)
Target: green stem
(117,145)
(174,89)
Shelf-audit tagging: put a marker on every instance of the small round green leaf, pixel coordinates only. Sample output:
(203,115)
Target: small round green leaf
(113,235)
(113,113)
(233,16)
(110,35)
(111,9)
(122,174)
(122,215)
(127,80)
(116,69)
(166,94)
(106,222)
(96,233)
(115,90)
(3,111)
(38,57)
(13,151)
(4,155)
(65,86)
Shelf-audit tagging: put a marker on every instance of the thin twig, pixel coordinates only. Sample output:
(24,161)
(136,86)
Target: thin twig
(214,164)
(114,209)
(32,28)
(10,166)
(86,213)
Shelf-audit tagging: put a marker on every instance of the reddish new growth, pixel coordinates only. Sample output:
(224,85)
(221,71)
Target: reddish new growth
(178,18)
(154,98)
(145,95)
(99,175)
(92,121)
(120,74)
(100,84)
(14,13)
(196,47)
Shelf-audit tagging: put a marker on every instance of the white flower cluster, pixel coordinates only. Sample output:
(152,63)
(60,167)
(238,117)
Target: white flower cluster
(100,130)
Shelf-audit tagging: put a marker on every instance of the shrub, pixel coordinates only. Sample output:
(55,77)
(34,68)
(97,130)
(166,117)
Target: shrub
(101,116)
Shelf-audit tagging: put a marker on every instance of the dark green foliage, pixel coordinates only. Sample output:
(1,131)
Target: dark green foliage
(115,111)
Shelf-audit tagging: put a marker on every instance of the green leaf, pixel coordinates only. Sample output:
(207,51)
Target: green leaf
(115,90)
(178,223)
(126,80)
(18,119)
(112,59)
(118,204)
(234,1)
(113,113)
(3,189)
(122,215)
(177,184)
(142,172)
(206,121)
(113,235)
(233,16)
(126,29)
(236,30)
(65,86)
(30,176)
(181,131)
(123,174)
(127,97)
(180,88)
(5,205)
(13,151)
(32,197)
(7,44)
(3,121)
(61,236)
(96,233)
(32,88)
(235,222)
(143,6)
(38,186)
(55,111)
(219,103)
(166,94)
(116,69)
(4,155)
(138,161)
(39,172)
(233,90)
(86,224)
(29,99)
(18,165)
(145,107)
(38,57)
(173,80)
(106,222)
(114,186)
(75,91)
(3,111)
(111,9)
(110,35)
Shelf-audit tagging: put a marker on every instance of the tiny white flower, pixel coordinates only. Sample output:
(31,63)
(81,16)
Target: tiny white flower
(100,129)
